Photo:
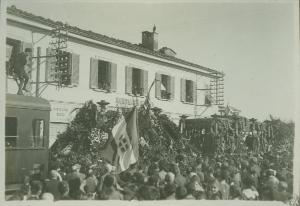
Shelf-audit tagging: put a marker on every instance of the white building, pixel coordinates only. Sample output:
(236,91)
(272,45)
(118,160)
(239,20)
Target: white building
(106,68)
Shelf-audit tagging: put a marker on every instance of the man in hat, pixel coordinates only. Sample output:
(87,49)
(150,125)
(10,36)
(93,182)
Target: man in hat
(51,186)
(21,61)
(75,179)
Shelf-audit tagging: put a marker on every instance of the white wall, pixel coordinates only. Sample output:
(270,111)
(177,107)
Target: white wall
(82,92)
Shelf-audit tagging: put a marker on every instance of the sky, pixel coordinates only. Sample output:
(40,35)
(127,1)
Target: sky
(255,43)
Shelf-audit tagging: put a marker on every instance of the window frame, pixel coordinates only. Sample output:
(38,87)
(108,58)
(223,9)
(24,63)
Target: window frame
(185,91)
(34,136)
(189,91)
(143,82)
(9,136)
(111,73)
(107,79)
(139,88)
(166,95)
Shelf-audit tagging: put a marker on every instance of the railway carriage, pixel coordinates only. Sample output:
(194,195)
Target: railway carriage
(26,137)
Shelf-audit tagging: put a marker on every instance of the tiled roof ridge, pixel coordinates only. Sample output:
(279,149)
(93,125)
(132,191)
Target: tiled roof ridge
(102,38)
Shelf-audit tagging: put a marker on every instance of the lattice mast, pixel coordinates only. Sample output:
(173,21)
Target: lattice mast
(216,88)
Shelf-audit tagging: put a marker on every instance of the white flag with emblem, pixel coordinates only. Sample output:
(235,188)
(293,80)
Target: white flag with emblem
(126,138)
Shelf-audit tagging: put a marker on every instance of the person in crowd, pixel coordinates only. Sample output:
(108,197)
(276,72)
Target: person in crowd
(179,180)
(281,194)
(224,187)
(249,192)
(169,191)
(90,182)
(162,169)
(63,188)
(75,191)
(170,178)
(235,192)
(213,191)
(47,196)
(37,173)
(75,180)
(24,191)
(51,186)
(20,62)
(109,191)
(36,189)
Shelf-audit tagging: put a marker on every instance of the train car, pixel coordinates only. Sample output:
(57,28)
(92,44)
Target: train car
(26,138)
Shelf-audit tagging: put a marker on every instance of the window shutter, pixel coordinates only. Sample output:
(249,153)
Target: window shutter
(145,82)
(50,66)
(113,77)
(158,85)
(75,69)
(194,92)
(183,90)
(128,77)
(172,87)
(94,73)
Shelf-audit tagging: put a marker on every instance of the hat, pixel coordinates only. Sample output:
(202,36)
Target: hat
(53,174)
(156,109)
(103,103)
(76,167)
(183,116)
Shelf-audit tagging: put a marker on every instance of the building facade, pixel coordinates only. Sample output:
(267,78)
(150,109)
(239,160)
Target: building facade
(104,68)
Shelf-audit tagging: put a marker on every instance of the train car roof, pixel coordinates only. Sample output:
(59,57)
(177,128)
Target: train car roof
(27,102)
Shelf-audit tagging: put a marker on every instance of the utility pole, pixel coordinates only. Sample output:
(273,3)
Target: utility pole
(38,64)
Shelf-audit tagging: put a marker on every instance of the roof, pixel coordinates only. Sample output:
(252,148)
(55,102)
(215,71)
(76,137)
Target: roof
(102,38)
(27,102)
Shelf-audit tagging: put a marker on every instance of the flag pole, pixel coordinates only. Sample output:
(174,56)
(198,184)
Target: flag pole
(148,94)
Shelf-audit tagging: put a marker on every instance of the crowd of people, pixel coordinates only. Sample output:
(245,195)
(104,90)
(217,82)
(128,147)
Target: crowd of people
(262,176)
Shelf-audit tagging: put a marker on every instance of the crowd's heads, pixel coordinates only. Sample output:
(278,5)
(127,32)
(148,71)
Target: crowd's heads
(138,178)
(169,189)
(47,196)
(271,172)
(153,180)
(53,174)
(170,177)
(36,168)
(108,181)
(63,187)
(125,176)
(214,187)
(283,186)
(248,181)
(181,192)
(76,167)
(36,187)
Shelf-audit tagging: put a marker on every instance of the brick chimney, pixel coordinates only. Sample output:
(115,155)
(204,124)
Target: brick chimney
(149,39)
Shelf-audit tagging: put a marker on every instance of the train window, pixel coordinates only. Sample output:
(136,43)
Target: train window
(11,134)
(38,132)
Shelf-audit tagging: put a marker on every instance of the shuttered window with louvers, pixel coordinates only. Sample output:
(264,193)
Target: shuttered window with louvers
(75,69)
(50,65)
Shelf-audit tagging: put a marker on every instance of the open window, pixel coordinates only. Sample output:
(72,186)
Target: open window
(11,132)
(38,132)
(188,91)
(136,81)
(13,47)
(164,86)
(103,75)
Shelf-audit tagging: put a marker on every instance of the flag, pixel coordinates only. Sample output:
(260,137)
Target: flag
(122,149)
